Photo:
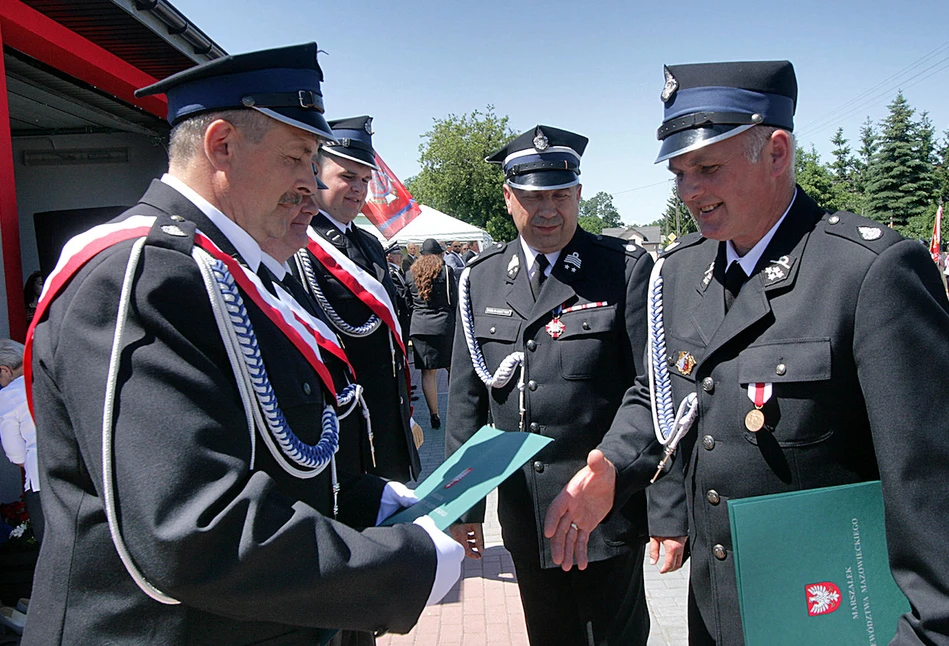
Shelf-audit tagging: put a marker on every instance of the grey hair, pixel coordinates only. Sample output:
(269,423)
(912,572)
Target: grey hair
(11,354)
(187,138)
(758,136)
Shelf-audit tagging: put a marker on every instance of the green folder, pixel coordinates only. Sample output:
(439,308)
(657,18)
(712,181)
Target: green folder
(471,473)
(812,567)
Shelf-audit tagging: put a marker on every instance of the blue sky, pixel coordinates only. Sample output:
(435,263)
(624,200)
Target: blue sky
(594,68)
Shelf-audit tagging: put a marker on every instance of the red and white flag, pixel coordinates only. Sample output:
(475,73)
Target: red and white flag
(389,206)
(936,245)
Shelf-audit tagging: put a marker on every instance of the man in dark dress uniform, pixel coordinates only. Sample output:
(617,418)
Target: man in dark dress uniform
(374,346)
(168,521)
(571,305)
(808,338)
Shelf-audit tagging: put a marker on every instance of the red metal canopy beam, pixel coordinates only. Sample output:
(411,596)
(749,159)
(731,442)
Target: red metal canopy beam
(9,218)
(28,31)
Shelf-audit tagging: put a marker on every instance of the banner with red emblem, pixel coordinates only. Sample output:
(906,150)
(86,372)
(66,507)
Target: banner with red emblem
(389,205)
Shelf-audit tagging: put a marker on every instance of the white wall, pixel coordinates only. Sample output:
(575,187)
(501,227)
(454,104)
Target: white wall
(50,188)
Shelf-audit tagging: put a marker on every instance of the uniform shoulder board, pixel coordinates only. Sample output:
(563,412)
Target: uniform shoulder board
(689,240)
(871,234)
(172,232)
(609,242)
(493,250)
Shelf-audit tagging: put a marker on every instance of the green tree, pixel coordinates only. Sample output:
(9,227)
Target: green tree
(863,163)
(815,178)
(843,175)
(676,220)
(454,176)
(900,186)
(942,170)
(590,223)
(601,206)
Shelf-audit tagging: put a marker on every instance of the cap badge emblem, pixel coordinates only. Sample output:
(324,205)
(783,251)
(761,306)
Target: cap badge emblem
(685,363)
(540,140)
(368,125)
(669,89)
(870,233)
(572,262)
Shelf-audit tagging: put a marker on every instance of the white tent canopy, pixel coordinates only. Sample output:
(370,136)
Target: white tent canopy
(432,223)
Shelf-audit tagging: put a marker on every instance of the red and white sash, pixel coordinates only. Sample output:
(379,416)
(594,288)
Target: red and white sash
(357,280)
(304,331)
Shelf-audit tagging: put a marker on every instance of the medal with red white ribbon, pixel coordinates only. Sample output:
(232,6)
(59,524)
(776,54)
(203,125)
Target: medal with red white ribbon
(758,394)
(556,327)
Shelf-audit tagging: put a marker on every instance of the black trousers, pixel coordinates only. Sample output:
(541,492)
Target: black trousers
(35,510)
(603,605)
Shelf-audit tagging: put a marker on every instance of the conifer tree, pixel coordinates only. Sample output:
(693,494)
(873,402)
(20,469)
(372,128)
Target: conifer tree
(900,186)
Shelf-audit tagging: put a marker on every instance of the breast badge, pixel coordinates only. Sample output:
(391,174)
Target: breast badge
(685,363)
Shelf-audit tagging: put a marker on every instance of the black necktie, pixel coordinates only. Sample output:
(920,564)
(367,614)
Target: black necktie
(540,274)
(355,248)
(734,278)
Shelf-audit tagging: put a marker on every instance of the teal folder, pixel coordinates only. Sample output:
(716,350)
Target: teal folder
(486,460)
(812,567)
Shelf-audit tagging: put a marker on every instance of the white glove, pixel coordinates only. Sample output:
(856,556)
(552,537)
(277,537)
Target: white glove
(395,496)
(450,555)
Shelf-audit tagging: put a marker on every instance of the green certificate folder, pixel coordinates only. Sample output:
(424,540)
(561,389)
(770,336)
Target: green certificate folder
(471,473)
(812,567)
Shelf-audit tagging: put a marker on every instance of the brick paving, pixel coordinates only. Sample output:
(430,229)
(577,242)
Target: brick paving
(484,606)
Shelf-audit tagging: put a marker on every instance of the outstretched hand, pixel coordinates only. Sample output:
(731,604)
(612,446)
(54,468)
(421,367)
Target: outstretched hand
(578,509)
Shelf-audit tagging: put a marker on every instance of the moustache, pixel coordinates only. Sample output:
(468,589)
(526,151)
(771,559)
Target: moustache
(291,198)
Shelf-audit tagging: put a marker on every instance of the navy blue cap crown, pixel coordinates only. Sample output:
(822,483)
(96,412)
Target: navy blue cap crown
(353,140)
(709,102)
(542,159)
(283,83)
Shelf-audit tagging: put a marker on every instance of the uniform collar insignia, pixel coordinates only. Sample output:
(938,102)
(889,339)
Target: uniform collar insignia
(707,278)
(778,270)
(572,262)
(513,266)
(870,233)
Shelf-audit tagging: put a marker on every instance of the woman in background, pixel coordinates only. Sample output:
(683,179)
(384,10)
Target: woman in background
(434,291)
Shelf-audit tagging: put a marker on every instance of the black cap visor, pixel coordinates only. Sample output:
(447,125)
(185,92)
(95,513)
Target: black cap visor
(545,180)
(352,153)
(308,120)
(685,141)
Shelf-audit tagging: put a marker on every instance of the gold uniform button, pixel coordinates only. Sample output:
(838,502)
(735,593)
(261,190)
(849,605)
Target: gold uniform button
(713,497)
(708,442)
(719,552)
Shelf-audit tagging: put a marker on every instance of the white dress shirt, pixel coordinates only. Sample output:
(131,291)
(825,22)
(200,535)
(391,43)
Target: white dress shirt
(17,431)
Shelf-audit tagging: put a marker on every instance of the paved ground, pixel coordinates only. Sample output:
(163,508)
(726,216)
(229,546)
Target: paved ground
(484,607)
